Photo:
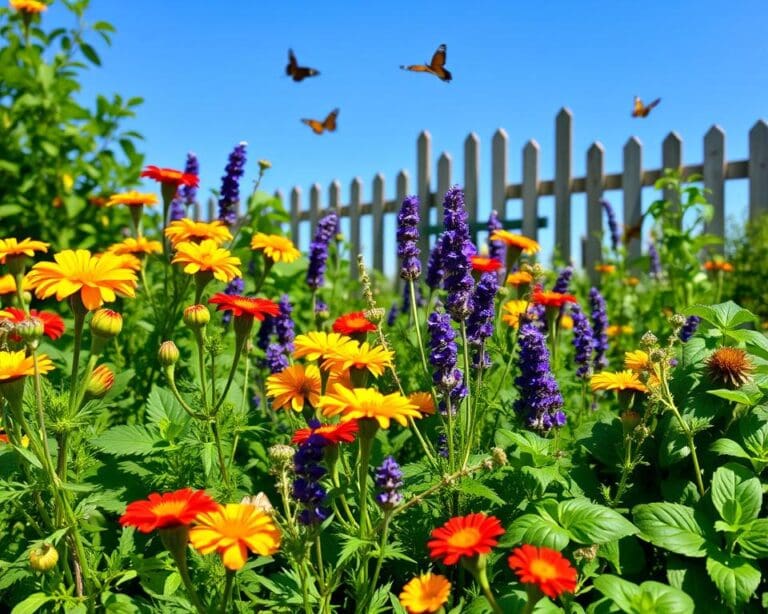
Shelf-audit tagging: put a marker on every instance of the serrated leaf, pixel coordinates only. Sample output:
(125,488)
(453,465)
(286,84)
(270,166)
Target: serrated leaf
(671,526)
(28,456)
(351,545)
(754,539)
(537,531)
(728,447)
(32,603)
(130,440)
(735,577)
(737,396)
(736,494)
(477,489)
(590,523)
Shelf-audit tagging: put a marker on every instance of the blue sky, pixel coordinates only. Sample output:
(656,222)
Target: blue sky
(212,75)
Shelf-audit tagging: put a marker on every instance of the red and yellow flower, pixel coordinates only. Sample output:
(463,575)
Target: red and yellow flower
(170,176)
(464,536)
(425,594)
(238,305)
(547,569)
(524,244)
(353,323)
(549,298)
(484,264)
(423,401)
(180,231)
(344,432)
(28,7)
(132,199)
(362,403)
(168,510)
(295,386)
(53,325)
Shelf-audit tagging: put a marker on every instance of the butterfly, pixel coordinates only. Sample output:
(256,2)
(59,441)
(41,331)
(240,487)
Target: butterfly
(641,110)
(296,72)
(435,67)
(329,123)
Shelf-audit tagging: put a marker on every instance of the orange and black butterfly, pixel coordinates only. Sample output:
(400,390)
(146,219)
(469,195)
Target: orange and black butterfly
(329,123)
(642,110)
(435,67)
(296,72)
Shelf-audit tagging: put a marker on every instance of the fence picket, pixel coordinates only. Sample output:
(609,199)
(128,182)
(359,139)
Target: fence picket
(334,197)
(211,209)
(378,222)
(423,187)
(315,194)
(472,179)
(714,179)
(295,214)
(444,173)
(593,241)
(530,189)
(563,145)
(499,165)
(632,183)
(672,158)
(758,169)
(355,203)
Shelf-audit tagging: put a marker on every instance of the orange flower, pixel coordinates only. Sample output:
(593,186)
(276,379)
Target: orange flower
(512,310)
(140,245)
(353,323)
(631,281)
(207,257)
(332,433)
(245,305)
(128,261)
(30,7)
(14,365)
(637,361)
(53,325)
(622,380)
(98,279)
(605,269)
(168,510)
(132,199)
(234,529)
(468,536)
(185,229)
(483,264)
(359,403)
(170,176)
(294,386)
(423,402)
(10,248)
(425,594)
(519,278)
(614,330)
(359,356)
(718,265)
(275,247)
(546,568)
(552,299)
(510,239)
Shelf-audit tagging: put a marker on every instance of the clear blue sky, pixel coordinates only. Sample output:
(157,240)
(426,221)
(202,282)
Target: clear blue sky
(212,75)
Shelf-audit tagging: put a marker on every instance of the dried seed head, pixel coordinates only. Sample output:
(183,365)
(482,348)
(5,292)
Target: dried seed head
(499,456)
(648,340)
(730,367)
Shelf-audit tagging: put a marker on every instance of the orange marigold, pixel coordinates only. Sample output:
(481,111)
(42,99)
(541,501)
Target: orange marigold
(483,264)
(27,247)
(132,199)
(294,386)
(468,536)
(510,239)
(353,323)
(546,568)
(170,176)
(168,510)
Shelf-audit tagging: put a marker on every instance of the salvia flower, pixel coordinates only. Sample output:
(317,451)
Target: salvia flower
(435,270)
(236,286)
(276,360)
(480,321)
(613,225)
(443,354)
(583,341)
(457,250)
(407,238)
(563,280)
(689,328)
(307,489)
(496,248)
(318,250)
(229,198)
(654,260)
(540,401)
(188,192)
(599,328)
(394,311)
(389,481)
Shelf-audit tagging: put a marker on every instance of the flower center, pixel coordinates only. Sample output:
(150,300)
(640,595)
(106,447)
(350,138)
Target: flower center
(464,538)
(170,508)
(544,570)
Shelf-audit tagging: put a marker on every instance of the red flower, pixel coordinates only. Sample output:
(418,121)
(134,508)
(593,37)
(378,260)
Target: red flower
(53,325)
(484,264)
(170,176)
(551,299)
(332,433)
(239,305)
(168,510)
(353,323)
(547,569)
(464,536)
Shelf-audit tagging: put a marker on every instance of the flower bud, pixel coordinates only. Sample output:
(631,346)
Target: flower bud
(30,331)
(43,557)
(100,382)
(196,316)
(168,355)
(106,323)
(376,315)
(677,321)
(648,340)
(499,456)
(280,455)
(264,165)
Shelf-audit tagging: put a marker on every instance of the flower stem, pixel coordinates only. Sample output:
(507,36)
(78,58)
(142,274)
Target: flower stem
(366,443)
(417,326)
(227,594)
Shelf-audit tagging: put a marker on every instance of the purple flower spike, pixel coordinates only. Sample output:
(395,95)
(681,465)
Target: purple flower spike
(599,328)
(655,261)
(457,250)
(408,237)
(480,321)
(389,480)
(307,489)
(327,229)
(689,328)
(613,225)
(443,354)
(583,341)
(229,198)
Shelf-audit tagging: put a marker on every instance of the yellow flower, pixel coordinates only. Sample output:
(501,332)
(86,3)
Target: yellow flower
(423,402)
(614,330)
(359,356)
(294,386)
(30,7)
(631,281)
(8,284)
(637,361)
(233,530)
(185,229)
(207,256)
(275,247)
(14,365)
(128,261)
(566,322)
(359,403)
(510,239)
(512,311)
(140,245)
(11,247)
(132,199)
(605,269)
(519,278)
(319,345)
(621,380)
(425,594)
(98,279)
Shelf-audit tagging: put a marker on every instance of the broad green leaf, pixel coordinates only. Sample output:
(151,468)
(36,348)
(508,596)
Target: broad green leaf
(754,430)
(590,523)
(754,539)
(620,591)
(671,526)
(32,603)
(477,489)
(536,530)
(757,341)
(736,494)
(648,598)
(130,440)
(28,456)
(735,577)
(731,315)
(729,447)
(737,396)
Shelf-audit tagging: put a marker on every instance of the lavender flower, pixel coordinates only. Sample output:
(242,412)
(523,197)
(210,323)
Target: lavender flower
(583,341)
(321,309)
(394,311)
(457,249)
(613,225)
(435,270)
(276,360)
(563,280)
(655,261)
(496,249)
(229,198)
(599,328)
(284,324)
(266,330)
(318,249)
(540,401)
(177,211)
(480,321)
(442,445)
(188,193)
(689,328)
(236,286)
(307,489)
(389,480)
(443,354)
(407,238)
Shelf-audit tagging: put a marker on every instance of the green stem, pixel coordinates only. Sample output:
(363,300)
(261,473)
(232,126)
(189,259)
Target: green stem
(181,565)
(366,443)
(380,558)
(467,421)
(219,451)
(79,316)
(200,340)
(417,326)
(227,594)
(625,472)
(232,370)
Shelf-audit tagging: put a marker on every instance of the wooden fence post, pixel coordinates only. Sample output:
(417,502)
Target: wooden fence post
(714,179)
(377,222)
(355,201)
(563,145)
(758,170)
(295,213)
(472,180)
(499,164)
(278,194)
(314,208)
(594,239)
(672,158)
(632,183)
(531,189)
(423,183)
(211,209)
(334,197)
(444,172)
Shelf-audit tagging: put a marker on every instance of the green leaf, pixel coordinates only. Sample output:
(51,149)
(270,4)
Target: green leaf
(28,456)
(475,488)
(32,603)
(737,396)
(621,592)
(754,431)
(735,577)
(536,530)
(90,53)
(671,526)
(754,539)
(590,523)
(167,413)
(736,494)
(130,440)
(729,447)
(648,598)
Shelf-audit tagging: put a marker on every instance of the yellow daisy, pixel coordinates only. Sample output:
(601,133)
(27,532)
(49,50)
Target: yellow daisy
(140,245)
(14,365)
(294,386)
(362,403)
(207,257)
(510,239)
(621,380)
(512,310)
(275,247)
(132,199)
(614,330)
(425,594)
(10,248)
(359,356)
(180,231)
(423,401)
(319,345)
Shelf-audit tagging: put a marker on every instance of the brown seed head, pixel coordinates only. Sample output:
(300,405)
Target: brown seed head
(730,367)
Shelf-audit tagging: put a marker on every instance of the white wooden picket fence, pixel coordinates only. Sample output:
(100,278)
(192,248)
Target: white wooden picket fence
(714,169)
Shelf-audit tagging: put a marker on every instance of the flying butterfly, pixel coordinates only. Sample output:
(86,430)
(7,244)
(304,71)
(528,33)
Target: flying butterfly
(435,67)
(329,123)
(296,72)
(642,110)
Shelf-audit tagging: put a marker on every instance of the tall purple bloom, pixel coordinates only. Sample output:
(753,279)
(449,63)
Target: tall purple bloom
(457,249)
(407,238)
(177,211)
(563,280)
(654,260)
(229,199)
(480,321)
(443,354)
(583,341)
(284,324)
(613,225)
(307,489)
(435,270)
(236,286)
(394,311)
(389,481)
(689,328)
(318,250)
(599,328)
(496,249)
(540,401)
(276,360)
(186,194)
